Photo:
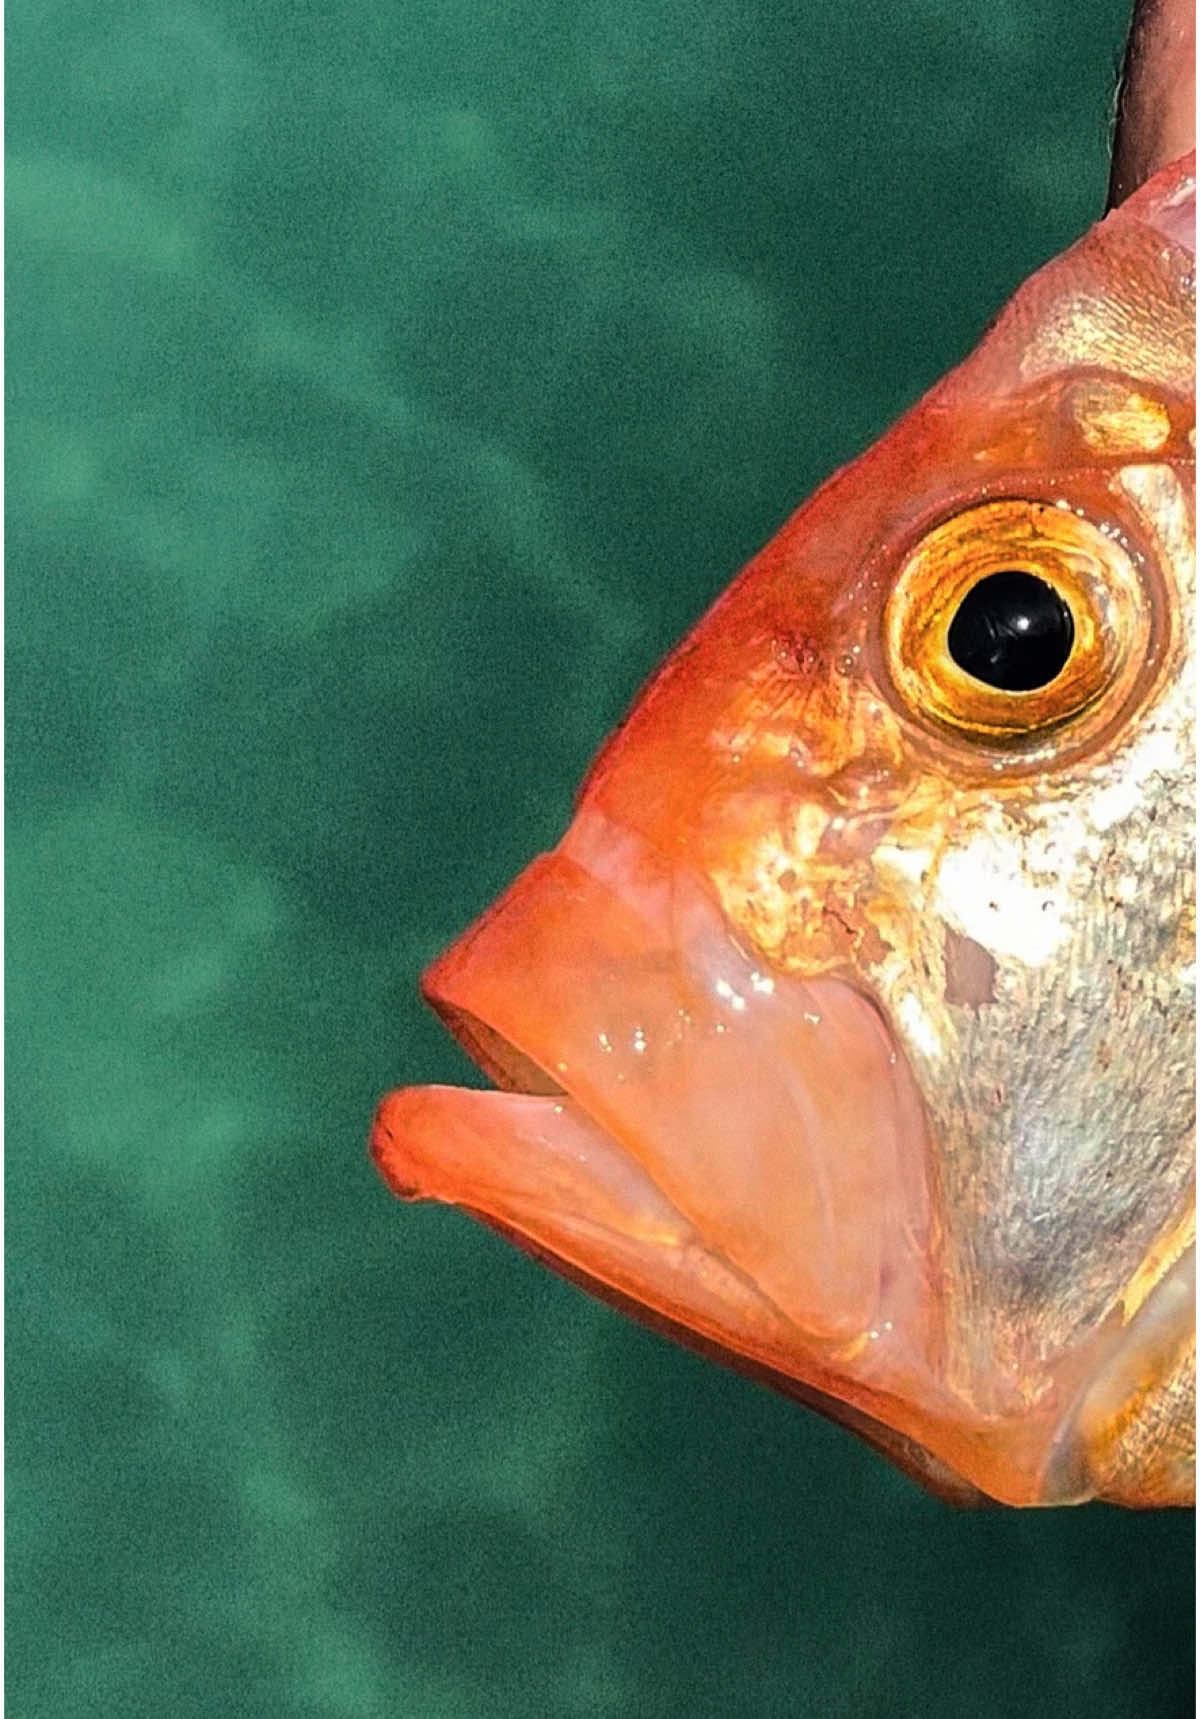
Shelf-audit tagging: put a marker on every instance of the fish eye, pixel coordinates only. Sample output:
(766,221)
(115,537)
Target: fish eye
(1012,631)
(1012,619)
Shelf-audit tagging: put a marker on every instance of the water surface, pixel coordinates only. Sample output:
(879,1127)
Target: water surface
(389,386)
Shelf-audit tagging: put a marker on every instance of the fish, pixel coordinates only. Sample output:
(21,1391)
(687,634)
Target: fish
(847,1034)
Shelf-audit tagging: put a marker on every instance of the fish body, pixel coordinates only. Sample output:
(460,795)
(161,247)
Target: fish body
(848,1033)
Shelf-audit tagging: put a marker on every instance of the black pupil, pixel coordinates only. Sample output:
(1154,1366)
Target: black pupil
(1012,631)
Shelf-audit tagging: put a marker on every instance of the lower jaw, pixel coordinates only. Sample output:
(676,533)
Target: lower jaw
(535,1169)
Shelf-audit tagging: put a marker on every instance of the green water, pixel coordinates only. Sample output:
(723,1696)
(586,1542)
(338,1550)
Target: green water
(388,386)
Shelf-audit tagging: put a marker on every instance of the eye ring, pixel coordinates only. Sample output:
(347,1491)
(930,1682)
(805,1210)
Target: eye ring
(1088,572)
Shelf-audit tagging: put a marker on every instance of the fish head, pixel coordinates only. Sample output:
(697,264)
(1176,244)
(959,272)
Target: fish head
(848,1032)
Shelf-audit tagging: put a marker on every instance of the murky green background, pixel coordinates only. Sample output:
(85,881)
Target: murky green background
(389,385)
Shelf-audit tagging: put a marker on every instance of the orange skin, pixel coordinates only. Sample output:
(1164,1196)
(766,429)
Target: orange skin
(777,1082)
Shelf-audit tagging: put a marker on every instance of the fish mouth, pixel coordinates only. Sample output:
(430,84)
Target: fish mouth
(737,1157)
(733,1155)
(661,1087)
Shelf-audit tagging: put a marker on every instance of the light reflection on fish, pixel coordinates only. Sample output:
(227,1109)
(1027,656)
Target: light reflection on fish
(848,1032)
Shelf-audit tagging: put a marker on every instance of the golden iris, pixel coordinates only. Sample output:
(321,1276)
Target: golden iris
(1013,618)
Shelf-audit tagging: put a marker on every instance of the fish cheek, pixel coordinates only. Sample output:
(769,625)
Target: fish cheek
(1054,1062)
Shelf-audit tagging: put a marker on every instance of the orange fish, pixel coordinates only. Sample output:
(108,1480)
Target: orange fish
(847,1034)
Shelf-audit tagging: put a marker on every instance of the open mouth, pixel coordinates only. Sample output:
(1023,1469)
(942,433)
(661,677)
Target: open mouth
(738,1158)
(736,1153)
